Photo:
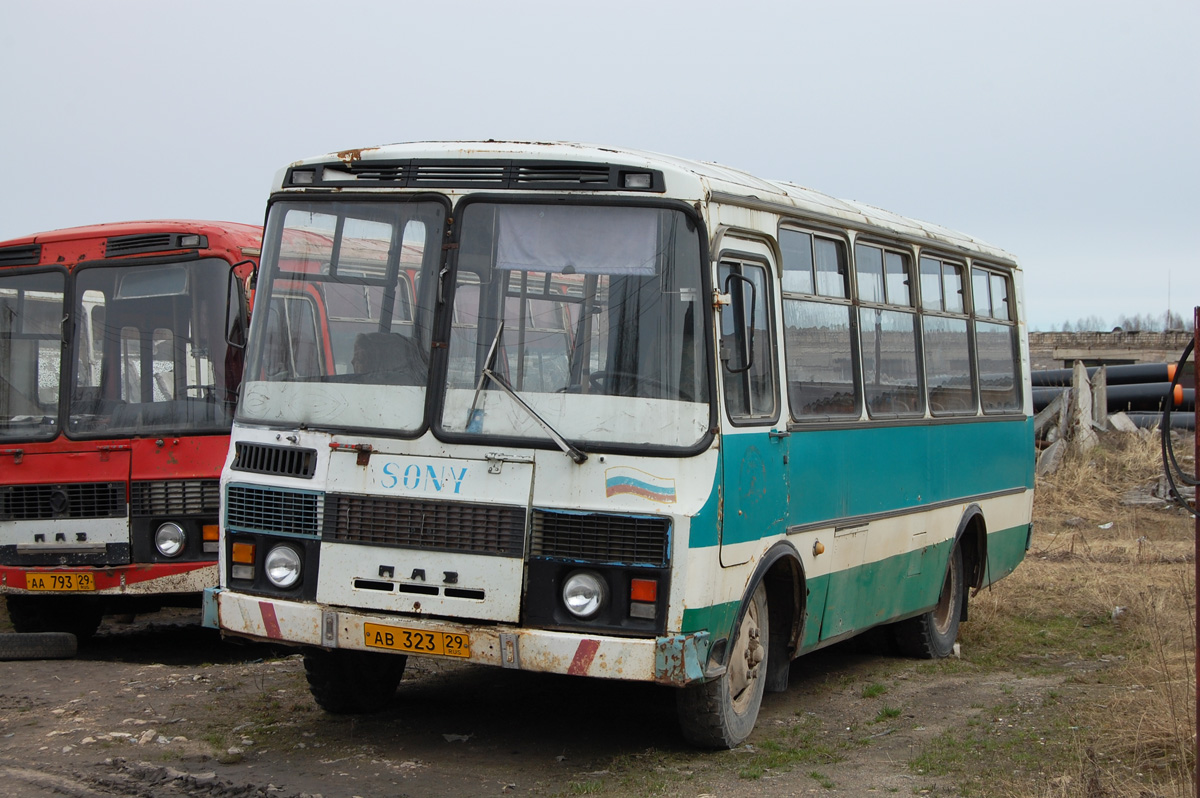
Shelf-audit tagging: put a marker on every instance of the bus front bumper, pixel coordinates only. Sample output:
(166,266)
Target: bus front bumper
(138,579)
(675,660)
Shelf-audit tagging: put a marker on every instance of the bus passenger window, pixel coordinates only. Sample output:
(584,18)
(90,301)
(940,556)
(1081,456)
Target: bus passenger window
(996,348)
(887,329)
(947,348)
(818,327)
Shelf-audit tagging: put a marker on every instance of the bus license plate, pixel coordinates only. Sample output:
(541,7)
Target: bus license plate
(417,641)
(63,581)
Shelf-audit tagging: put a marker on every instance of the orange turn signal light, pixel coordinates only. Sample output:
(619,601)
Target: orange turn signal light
(243,553)
(212,532)
(643,590)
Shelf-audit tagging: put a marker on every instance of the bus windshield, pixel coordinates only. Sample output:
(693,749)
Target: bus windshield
(151,348)
(342,336)
(592,314)
(31,316)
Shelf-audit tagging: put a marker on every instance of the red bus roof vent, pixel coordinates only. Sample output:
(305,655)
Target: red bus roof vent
(21,255)
(153,242)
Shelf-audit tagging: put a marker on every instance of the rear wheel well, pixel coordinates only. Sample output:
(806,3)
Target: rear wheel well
(972,541)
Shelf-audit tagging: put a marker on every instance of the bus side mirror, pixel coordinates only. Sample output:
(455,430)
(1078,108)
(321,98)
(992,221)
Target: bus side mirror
(742,349)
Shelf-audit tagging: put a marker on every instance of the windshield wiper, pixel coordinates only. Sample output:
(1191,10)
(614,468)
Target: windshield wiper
(475,415)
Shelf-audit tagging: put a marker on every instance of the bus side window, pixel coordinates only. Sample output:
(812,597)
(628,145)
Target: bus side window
(747,347)
(818,327)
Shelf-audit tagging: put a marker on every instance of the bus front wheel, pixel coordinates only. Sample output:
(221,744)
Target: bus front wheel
(350,682)
(932,635)
(721,713)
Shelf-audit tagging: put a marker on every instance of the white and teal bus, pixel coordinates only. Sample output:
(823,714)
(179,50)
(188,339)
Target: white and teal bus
(599,412)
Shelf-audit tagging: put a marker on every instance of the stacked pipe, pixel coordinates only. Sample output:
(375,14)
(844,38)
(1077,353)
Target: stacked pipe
(1139,390)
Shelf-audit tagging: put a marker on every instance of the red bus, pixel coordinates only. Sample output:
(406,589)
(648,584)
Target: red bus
(120,361)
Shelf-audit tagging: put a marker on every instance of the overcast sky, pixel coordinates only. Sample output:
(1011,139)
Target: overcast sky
(1065,132)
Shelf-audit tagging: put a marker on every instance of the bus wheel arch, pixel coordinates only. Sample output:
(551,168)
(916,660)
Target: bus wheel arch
(971,540)
(783,575)
(932,634)
(721,711)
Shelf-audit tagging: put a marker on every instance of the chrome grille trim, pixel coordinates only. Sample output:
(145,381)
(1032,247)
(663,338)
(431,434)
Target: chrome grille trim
(259,509)
(445,526)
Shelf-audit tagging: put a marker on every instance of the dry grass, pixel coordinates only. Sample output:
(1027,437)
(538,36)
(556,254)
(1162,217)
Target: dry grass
(1108,592)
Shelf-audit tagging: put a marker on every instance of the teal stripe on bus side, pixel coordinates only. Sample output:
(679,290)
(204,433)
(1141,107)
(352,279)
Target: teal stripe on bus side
(873,593)
(842,473)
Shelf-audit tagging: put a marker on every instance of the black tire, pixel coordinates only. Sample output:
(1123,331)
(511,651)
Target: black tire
(721,713)
(38,645)
(932,635)
(76,615)
(352,682)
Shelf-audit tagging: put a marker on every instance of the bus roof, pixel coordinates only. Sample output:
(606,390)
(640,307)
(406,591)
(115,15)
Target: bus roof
(236,229)
(684,179)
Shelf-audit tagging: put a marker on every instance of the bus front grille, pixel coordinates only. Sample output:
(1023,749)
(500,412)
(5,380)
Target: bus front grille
(267,510)
(79,500)
(175,497)
(281,461)
(476,528)
(605,538)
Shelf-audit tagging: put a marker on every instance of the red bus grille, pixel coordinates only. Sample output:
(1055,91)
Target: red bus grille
(79,500)
(475,528)
(179,497)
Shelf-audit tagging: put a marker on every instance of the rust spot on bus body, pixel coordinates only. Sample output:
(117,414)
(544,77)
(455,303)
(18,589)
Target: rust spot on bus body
(350,156)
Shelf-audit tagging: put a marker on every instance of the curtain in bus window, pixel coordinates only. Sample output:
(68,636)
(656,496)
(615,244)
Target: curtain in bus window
(820,362)
(899,289)
(997,355)
(576,239)
(868,263)
(931,284)
(891,379)
(796,248)
(831,268)
(952,288)
(981,292)
(948,366)
(1000,308)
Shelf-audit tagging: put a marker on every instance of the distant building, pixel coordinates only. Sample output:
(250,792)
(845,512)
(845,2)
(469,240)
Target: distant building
(1054,350)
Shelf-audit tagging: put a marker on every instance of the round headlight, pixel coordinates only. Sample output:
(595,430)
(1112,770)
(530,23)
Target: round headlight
(584,593)
(170,540)
(282,566)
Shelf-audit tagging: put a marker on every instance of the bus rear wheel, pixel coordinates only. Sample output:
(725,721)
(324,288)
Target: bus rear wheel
(932,635)
(79,616)
(721,713)
(351,682)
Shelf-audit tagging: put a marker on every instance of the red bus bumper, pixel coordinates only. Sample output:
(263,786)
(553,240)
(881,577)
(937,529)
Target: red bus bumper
(140,579)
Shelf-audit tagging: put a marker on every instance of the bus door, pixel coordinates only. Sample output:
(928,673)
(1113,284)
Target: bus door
(754,447)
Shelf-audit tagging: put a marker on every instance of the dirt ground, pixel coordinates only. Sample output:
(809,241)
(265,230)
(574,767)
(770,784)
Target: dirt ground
(163,707)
